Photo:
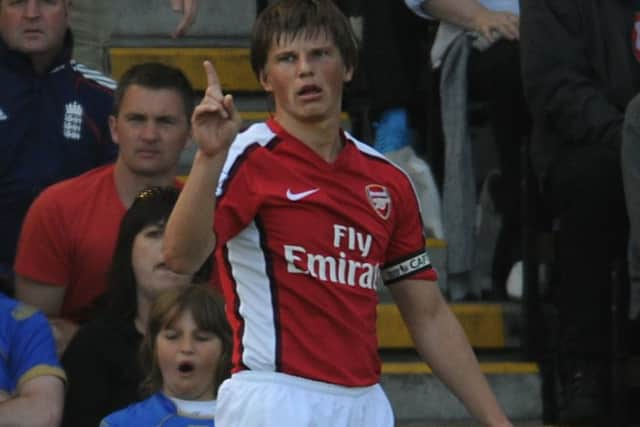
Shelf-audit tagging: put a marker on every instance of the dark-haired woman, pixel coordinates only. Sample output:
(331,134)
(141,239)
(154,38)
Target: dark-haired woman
(102,362)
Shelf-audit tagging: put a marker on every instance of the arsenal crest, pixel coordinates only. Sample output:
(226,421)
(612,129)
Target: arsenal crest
(379,199)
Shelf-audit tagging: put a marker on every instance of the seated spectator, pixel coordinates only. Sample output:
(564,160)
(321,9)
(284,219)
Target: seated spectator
(581,70)
(187,349)
(102,359)
(70,231)
(476,46)
(31,379)
(53,113)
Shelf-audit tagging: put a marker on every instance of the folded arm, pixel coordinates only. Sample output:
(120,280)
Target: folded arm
(37,403)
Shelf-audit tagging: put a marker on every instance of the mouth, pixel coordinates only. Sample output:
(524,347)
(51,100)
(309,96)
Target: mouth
(309,91)
(32,32)
(186,367)
(147,153)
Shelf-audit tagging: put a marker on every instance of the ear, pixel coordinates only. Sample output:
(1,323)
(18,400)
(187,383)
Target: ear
(113,128)
(189,140)
(348,74)
(264,81)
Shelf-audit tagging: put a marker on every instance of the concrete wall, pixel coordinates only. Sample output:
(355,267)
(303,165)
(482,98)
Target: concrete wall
(216,18)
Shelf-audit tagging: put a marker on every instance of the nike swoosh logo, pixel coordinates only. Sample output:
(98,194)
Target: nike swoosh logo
(299,196)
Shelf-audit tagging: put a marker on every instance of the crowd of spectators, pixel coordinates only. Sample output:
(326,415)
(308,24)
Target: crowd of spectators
(88,170)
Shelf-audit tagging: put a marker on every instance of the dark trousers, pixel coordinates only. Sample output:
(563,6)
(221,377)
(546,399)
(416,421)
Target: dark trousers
(494,78)
(591,229)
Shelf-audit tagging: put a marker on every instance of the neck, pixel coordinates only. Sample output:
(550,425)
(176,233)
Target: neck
(323,137)
(129,183)
(42,62)
(142,314)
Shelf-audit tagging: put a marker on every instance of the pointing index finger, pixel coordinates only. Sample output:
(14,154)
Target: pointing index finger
(213,82)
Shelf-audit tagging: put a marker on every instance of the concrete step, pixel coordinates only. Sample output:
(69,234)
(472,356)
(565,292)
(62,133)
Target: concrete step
(232,64)
(496,326)
(417,396)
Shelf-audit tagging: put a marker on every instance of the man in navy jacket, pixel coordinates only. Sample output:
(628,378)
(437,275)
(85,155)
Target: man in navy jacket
(53,111)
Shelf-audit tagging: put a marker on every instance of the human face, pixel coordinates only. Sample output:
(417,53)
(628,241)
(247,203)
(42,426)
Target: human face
(187,358)
(151,273)
(305,75)
(34,27)
(151,129)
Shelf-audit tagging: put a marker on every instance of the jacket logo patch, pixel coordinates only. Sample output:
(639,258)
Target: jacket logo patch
(379,199)
(72,125)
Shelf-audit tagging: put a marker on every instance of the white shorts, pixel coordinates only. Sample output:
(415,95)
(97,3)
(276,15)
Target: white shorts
(271,399)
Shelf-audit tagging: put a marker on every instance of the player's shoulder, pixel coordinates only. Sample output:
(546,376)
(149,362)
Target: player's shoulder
(257,133)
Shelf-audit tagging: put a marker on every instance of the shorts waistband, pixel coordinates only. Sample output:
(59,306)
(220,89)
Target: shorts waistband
(304,383)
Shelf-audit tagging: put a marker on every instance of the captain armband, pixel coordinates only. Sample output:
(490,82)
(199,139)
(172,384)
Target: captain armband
(406,267)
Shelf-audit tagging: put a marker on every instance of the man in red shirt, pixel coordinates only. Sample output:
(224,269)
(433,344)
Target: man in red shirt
(307,222)
(68,236)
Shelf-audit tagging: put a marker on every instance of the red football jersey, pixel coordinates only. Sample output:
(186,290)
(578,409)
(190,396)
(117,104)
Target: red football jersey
(302,246)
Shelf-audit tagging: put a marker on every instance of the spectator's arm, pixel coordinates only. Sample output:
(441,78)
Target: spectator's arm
(47,299)
(473,16)
(189,9)
(37,403)
(558,79)
(441,342)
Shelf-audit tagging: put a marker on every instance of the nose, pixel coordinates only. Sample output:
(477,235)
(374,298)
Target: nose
(150,131)
(32,9)
(304,66)
(186,345)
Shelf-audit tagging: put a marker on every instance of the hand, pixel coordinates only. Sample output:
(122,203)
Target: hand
(492,24)
(63,331)
(188,8)
(215,121)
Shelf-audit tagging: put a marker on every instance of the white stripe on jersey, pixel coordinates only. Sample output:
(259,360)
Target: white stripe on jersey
(258,133)
(254,293)
(96,76)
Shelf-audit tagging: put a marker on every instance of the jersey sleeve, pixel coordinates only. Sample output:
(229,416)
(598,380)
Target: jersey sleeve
(44,252)
(238,197)
(32,351)
(406,256)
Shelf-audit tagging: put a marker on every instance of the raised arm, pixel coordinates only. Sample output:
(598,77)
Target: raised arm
(189,237)
(441,342)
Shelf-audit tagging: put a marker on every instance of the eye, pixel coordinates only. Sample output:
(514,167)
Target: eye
(169,334)
(135,118)
(153,232)
(166,121)
(286,57)
(204,336)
